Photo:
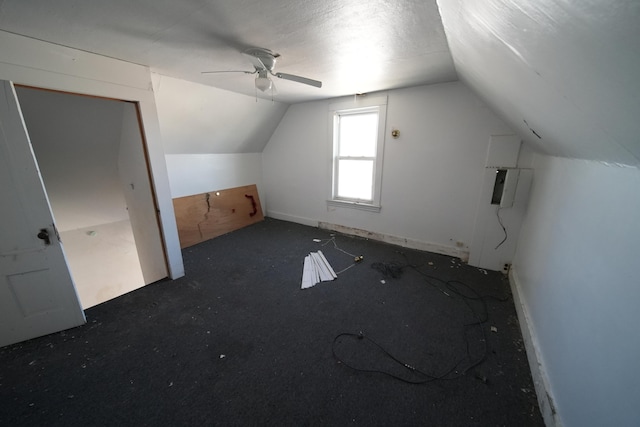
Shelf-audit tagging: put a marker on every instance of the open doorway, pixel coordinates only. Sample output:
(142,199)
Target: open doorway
(90,152)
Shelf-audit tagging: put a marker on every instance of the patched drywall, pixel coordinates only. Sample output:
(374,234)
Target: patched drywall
(576,267)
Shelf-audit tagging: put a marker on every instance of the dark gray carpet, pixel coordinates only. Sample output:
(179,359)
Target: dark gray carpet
(237,342)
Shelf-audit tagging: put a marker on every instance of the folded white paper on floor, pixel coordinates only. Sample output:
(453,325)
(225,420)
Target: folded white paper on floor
(316,269)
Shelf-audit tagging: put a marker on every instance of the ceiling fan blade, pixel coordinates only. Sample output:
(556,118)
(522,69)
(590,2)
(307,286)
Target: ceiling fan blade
(228,71)
(299,79)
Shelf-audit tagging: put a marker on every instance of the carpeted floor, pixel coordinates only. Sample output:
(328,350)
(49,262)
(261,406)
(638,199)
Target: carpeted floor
(237,342)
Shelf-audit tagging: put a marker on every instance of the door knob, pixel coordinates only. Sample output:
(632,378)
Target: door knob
(44,235)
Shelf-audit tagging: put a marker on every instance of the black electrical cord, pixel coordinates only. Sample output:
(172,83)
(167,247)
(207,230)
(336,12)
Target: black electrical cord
(452,285)
(449,284)
(425,377)
(395,270)
(503,228)
(480,319)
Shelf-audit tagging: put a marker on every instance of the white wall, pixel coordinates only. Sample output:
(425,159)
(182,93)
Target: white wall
(133,173)
(492,247)
(213,137)
(576,273)
(200,173)
(199,119)
(45,65)
(77,136)
(432,175)
(564,75)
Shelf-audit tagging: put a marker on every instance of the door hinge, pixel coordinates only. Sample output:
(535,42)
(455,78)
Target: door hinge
(55,230)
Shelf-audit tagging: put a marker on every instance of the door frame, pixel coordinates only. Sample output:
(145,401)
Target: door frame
(145,151)
(158,269)
(44,65)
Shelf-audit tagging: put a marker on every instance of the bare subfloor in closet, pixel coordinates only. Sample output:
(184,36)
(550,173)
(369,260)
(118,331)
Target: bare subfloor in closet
(103,260)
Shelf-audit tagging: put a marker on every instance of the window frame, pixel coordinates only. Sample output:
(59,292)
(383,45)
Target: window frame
(358,105)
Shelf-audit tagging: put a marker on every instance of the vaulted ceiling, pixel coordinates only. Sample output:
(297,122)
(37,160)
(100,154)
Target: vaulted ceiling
(562,73)
(351,46)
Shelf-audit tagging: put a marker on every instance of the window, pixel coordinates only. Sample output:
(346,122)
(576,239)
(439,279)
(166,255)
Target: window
(358,142)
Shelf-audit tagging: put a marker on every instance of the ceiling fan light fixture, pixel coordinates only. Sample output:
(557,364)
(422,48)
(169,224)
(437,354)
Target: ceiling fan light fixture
(263,83)
(264,61)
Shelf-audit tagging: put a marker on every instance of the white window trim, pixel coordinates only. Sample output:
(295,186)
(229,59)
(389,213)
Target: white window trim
(364,104)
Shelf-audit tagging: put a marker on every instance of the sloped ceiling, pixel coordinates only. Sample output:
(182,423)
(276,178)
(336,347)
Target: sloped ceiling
(351,46)
(197,119)
(564,73)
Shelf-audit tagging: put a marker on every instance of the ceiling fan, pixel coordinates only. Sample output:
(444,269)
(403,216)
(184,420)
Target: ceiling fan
(264,61)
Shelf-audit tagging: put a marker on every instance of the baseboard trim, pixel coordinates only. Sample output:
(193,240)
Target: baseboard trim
(399,241)
(387,238)
(532,346)
(292,218)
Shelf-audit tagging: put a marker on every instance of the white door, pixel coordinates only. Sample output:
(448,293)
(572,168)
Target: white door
(37,294)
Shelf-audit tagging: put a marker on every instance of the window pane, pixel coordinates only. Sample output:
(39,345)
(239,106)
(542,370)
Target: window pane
(358,135)
(355,179)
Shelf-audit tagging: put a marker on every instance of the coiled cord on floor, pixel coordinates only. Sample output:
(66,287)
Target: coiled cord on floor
(424,377)
(454,287)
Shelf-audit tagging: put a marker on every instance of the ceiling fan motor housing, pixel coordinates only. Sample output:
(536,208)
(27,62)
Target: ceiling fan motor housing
(267,57)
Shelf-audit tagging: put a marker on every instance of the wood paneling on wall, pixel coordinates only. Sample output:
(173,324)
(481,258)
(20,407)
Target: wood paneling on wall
(207,215)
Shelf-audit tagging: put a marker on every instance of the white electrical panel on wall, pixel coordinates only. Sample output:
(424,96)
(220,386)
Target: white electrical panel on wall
(501,206)
(509,188)
(504,188)
(503,151)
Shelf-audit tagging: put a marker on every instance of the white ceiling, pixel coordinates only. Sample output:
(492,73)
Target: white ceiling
(563,73)
(351,46)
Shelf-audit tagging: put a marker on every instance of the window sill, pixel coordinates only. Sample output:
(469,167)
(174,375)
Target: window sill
(354,205)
